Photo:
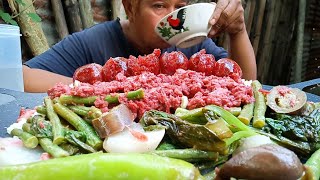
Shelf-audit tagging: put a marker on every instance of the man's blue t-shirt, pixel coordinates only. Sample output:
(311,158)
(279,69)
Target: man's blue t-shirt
(99,43)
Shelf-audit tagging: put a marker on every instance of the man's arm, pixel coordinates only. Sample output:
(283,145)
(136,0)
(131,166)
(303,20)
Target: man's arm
(229,17)
(37,80)
(241,50)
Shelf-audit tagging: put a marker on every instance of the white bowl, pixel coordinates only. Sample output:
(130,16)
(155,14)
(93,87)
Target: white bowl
(186,26)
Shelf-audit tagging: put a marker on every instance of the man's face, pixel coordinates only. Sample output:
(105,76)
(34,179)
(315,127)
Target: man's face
(148,14)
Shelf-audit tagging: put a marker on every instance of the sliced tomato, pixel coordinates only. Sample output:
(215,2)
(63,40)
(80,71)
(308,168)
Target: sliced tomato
(89,73)
(202,62)
(227,67)
(170,62)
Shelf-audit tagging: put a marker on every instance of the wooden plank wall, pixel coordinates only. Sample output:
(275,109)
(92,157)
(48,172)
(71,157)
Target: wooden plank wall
(311,53)
(274,39)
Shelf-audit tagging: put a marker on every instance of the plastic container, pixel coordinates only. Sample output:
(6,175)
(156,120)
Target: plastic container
(11,76)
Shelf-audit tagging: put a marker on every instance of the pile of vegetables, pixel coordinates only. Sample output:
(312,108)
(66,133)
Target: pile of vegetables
(200,143)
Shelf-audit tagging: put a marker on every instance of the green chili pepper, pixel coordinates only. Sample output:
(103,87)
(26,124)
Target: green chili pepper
(104,166)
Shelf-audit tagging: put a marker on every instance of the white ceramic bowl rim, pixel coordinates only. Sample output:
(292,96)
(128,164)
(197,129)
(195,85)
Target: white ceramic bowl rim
(186,34)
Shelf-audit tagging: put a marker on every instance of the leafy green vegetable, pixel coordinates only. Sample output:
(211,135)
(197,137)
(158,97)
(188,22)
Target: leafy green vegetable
(40,127)
(296,128)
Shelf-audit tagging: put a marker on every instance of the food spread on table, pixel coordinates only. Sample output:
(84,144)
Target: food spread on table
(165,117)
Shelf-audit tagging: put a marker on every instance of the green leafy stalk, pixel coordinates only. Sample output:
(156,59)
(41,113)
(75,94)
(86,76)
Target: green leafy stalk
(57,129)
(260,105)
(131,95)
(190,155)
(234,123)
(51,148)
(28,139)
(76,121)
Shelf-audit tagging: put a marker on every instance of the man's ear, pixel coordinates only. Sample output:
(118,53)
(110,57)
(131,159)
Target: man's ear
(129,9)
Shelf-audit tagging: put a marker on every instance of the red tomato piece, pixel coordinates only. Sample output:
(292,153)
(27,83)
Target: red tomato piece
(202,62)
(148,63)
(170,62)
(114,66)
(89,73)
(227,67)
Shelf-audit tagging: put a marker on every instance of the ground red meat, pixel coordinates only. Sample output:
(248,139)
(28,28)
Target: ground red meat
(147,63)
(112,67)
(164,92)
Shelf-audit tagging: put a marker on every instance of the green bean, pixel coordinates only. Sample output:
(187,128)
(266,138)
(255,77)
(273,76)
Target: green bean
(246,113)
(101,166)
(190,155)
(51,148)
(234,110)
(70,148)
(41,110)
(260,106)
(131,95)
(68,99)
(92,138)
(57,129)
(138,94)
(80,110)
(88,112)
(26,127)
(94,112)
(28,139)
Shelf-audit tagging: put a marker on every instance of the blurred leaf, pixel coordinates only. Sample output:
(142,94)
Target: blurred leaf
(20,2)
(34,17)
(7,18)
(13,22)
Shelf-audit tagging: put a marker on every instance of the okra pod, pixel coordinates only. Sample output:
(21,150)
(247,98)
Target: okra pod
(246,113)
(101,166)
(190,155)
(260,105)
(57,129)
(76,121)
(51,148)
(28,140)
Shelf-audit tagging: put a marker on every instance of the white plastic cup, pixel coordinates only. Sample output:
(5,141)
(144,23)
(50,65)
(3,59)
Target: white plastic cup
(11,76)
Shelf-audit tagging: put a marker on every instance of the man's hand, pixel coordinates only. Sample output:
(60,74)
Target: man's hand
(227,17)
